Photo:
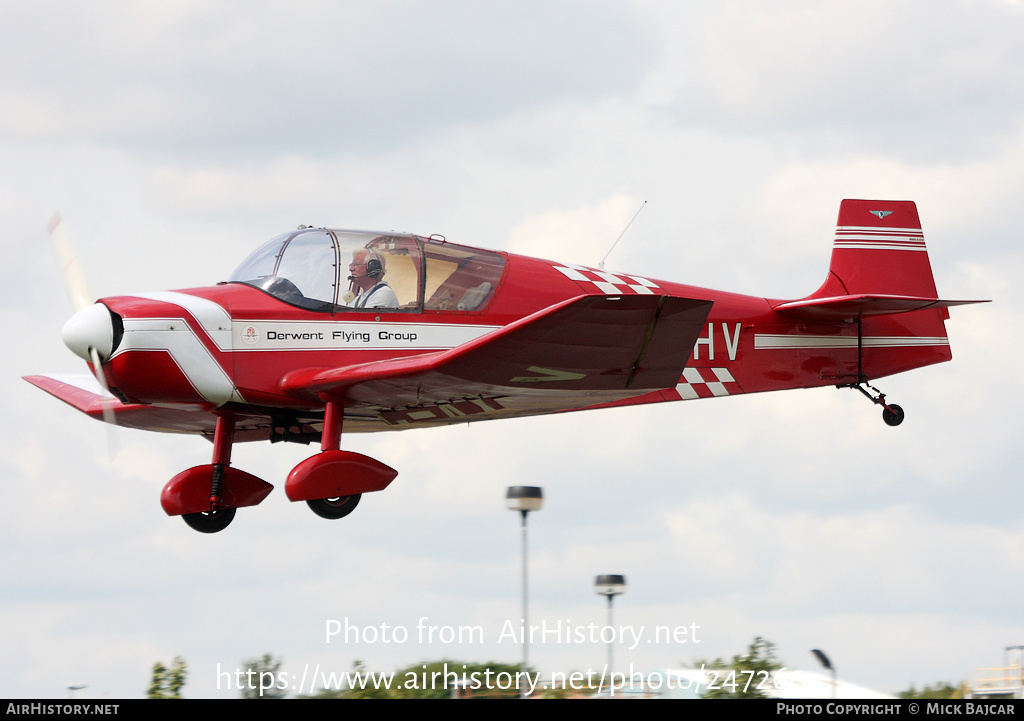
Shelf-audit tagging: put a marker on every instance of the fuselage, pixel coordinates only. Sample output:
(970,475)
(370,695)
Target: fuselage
(229,346)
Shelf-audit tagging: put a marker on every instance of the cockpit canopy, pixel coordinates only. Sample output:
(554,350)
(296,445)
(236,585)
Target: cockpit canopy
(318,269)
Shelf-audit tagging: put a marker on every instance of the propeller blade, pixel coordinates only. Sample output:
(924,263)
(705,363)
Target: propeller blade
(81,298)
(74,279)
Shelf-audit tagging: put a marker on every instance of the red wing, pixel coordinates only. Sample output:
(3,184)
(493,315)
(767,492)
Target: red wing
(85,394)
(587,350)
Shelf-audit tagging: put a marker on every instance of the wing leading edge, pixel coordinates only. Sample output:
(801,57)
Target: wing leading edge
(83,393)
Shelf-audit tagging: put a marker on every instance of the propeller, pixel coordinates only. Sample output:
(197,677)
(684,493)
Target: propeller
(74,279)
(90,332)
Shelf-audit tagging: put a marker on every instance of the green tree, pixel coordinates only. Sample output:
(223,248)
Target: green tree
(168,682)
(939,690)
(263,678)
(746,675)
(156,685)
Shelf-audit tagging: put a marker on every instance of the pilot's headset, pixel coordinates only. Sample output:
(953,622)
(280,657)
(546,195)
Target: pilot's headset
(374,264)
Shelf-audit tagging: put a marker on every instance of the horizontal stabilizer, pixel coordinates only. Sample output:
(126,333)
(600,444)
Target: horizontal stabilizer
(849,307)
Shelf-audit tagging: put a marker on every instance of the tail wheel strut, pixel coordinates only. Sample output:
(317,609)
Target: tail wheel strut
(892,414)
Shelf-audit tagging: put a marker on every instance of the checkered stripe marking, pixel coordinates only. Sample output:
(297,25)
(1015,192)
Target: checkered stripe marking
(706,383)
(608,283)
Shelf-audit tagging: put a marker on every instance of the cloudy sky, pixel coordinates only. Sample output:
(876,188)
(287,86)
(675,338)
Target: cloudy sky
(175,137)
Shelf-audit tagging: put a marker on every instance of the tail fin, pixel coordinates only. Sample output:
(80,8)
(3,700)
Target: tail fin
(879,266)
(879,250)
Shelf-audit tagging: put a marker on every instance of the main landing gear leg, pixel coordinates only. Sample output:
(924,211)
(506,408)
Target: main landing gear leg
(217,518)
(892,414)
(334,419)
(330,440)
(207,496)
(332,482)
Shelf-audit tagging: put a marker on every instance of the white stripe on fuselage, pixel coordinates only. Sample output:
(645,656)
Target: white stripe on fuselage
(175,336)
(766,341)
(211,316)
(264,335)
(195,360)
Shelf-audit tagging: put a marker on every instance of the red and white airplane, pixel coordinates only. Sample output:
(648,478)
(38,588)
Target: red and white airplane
(323,330)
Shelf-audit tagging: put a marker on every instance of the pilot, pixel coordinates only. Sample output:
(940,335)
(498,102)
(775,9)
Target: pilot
(367,273)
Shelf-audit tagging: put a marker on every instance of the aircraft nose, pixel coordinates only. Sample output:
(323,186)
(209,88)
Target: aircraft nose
(93,327)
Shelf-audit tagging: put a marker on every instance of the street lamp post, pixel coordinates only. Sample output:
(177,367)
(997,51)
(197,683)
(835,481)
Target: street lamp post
(524,499)
(610,586)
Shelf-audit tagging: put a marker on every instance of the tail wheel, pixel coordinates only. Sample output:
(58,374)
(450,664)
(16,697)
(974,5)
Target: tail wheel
(211,521)
(892,415)
(334,508)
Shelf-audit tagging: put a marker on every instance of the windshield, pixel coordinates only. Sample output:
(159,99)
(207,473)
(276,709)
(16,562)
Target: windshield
(330,270)
(299,268)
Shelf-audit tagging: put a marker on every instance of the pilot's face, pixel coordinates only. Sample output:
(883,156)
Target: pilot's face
(357,271)
(357,268)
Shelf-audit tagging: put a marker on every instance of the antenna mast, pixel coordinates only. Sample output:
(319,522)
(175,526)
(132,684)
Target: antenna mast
(601,264)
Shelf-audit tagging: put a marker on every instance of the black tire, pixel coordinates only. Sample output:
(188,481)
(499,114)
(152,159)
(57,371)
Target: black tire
(334,508)
(893,415)
(210,522)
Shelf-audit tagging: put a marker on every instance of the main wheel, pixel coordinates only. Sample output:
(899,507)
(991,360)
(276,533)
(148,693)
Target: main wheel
(893,415)
(335,507)
(210,521)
